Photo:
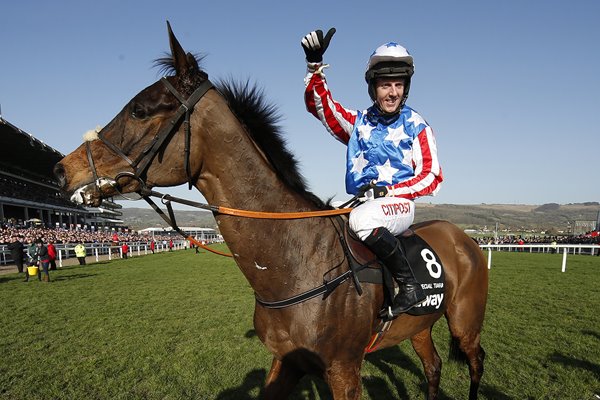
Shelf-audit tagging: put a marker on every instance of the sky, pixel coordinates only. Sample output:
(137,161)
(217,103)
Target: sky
(510,88)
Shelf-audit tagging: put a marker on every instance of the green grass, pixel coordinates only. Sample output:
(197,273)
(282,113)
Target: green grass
(179,326)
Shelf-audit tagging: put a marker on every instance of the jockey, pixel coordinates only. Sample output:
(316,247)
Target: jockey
(391,154)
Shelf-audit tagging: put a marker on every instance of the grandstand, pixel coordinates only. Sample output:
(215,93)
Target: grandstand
(29,193)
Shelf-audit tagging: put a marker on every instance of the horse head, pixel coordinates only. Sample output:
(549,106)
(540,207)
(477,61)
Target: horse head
(143,144)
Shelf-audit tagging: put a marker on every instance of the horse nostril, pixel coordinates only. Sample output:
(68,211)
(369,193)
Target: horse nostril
(59,173)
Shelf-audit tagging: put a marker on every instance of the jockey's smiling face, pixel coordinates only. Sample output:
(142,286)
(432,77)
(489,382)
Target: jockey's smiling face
(389,92)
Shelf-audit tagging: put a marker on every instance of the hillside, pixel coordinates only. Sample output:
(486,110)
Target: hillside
(140,218)
(550,217)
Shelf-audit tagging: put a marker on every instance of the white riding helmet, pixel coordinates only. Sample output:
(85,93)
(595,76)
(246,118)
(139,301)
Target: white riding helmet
(389,60)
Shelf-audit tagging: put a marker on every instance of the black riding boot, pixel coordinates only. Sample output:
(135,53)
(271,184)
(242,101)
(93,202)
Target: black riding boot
(387,249)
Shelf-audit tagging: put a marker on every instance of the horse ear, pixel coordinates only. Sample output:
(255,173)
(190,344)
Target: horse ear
(192,62)
(181,60)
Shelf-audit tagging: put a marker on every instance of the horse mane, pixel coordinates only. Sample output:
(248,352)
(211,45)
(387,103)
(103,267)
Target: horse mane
(260,118)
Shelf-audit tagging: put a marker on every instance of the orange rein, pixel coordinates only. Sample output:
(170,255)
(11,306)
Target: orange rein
(267,215)
(197,243)
(281,215)
(166,199)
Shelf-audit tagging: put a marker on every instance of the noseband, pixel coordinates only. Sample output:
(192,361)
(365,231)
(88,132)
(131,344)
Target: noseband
(142,162)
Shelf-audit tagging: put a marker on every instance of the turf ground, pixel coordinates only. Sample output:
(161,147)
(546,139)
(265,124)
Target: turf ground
(179,326)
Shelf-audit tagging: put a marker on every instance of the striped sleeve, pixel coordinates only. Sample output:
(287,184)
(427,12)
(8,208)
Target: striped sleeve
(338,120)
(428,173)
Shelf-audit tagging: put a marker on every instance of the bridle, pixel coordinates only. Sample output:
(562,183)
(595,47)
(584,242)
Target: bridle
(142,162)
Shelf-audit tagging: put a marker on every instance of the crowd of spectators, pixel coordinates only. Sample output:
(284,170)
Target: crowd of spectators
(63,236)
(517,239)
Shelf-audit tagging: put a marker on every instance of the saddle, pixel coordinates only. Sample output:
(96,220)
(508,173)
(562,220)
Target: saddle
(366,268)
(359,250)
(363,261)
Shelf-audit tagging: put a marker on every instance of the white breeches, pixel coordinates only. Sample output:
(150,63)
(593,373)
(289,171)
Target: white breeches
(394,213)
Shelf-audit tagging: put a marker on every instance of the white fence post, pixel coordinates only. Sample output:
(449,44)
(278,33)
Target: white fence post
(60,257)
(489,258)
(96,251)
(564,261)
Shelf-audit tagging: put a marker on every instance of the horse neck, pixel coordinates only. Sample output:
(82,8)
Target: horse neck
(235,173)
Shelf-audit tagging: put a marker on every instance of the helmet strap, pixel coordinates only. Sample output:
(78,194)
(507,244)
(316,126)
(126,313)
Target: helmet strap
(388,118)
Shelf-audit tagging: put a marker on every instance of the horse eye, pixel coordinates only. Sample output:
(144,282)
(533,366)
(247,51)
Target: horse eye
(138,112)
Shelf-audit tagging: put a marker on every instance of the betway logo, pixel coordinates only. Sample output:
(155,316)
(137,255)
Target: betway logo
(433,300)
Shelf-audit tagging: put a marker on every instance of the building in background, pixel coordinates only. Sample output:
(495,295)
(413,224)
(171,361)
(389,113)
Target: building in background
(29,192)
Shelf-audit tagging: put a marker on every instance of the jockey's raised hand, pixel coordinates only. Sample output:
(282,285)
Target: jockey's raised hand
(314,45)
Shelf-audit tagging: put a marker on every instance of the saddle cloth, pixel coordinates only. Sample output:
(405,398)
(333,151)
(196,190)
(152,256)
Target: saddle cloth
(425,263)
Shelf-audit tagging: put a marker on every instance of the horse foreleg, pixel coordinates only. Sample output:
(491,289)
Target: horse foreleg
(344,380)
(281,380)
(432,363)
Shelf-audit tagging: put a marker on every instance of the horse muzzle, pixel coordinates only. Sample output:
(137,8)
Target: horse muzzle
(93,193)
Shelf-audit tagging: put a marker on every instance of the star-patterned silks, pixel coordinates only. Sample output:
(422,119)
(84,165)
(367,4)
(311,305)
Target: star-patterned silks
(416,119)
(396,135)
(386,172)
(381,150)
(359,163)
(364,132)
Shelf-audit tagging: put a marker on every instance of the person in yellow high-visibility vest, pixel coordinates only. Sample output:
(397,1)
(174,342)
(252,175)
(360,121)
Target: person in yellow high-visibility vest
(80,253)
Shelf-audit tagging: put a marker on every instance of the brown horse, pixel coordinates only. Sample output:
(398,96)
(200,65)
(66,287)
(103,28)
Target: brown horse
(229,147)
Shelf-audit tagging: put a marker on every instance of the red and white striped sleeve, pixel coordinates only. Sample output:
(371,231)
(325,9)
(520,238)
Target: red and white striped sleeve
(428,173)
(338,120)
